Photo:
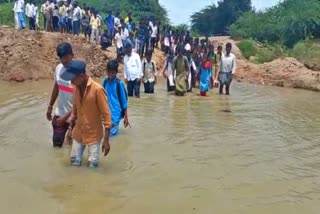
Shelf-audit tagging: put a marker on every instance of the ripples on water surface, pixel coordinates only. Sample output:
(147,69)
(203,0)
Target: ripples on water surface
(257,151)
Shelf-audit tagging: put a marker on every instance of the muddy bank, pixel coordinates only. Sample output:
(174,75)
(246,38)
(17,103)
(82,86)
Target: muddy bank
(286,72)
(27,55)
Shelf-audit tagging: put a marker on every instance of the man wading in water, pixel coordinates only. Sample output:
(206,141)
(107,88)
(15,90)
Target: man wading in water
(227,69)
(63,91)
(132,71)
(90,112)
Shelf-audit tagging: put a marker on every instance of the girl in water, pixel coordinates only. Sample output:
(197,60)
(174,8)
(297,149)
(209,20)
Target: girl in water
(205,71)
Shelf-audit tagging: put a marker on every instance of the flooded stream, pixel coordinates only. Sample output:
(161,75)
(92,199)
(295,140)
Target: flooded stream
(255,152)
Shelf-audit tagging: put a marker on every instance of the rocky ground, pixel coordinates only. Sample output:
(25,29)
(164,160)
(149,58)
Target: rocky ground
(27,55)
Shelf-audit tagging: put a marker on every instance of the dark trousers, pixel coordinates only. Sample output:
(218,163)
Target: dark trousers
(193,78)
(141,46)
(69,26)
(32,23)
(76,27)
(153,43)
(147,43)
(59,132)
(134,86)
(227,89)
(149,87)
(55,23)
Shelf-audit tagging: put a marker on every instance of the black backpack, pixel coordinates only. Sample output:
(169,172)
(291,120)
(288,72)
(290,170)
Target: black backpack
(118,94)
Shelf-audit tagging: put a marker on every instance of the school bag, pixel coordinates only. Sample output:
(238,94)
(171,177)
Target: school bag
(118,94)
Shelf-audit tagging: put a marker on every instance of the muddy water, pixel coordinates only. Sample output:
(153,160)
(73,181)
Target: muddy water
(257,151)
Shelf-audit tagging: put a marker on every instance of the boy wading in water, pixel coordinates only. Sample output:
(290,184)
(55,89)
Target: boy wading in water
(117,97)
(149,73)
(227,69)
(63,91)
(181,71)
(90,112)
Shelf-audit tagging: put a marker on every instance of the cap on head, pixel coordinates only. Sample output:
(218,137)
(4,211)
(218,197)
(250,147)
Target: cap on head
(75,68)
(64,49)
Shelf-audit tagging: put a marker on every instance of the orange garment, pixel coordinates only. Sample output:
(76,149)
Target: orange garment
(91,113)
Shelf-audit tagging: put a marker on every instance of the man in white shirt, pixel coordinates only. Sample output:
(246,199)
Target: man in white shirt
(19,9)
(16,17)
(132,71)
(30,11)
(154,34)
(43,12)
(63,92)
(227,69)
(76,18)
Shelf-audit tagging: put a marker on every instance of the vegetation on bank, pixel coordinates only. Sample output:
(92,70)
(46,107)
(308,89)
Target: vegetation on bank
(287,23)
(216,19)
(307,52)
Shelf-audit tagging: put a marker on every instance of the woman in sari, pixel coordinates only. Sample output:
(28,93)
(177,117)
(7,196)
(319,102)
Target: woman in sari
(205,72)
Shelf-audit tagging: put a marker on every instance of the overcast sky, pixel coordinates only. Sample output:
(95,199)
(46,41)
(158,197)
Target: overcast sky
(179,11)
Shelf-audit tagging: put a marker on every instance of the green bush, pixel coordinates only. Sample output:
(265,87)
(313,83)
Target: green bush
(307,52)
(269,54)
(7,16)
(248,48)
(289,22)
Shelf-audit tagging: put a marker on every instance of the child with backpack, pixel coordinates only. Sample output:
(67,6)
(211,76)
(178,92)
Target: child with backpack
(116,96)
(149,69)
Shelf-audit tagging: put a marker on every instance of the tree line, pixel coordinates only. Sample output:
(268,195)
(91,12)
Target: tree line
(287,23)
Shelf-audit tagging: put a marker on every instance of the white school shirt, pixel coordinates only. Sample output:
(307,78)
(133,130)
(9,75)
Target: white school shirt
(29,10)
(228,63)
(124,34)
(65,96)
(118,40)
(43,8)
(20,6)
(76,16)
(132,67)
(15,6)
(116,22)
(154,31)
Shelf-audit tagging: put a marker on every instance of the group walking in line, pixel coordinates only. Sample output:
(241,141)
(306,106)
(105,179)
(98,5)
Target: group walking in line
(89,113)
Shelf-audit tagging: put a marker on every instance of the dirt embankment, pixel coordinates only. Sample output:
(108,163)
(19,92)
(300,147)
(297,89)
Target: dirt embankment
(27,55)
(285,72)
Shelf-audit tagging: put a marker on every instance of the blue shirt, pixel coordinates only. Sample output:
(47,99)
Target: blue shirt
(113,100)
(129,26)
(110,22)
(131,42)
(140,34)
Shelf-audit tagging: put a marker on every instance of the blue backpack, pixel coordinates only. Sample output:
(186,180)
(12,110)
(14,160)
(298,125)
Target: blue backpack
(104,83)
